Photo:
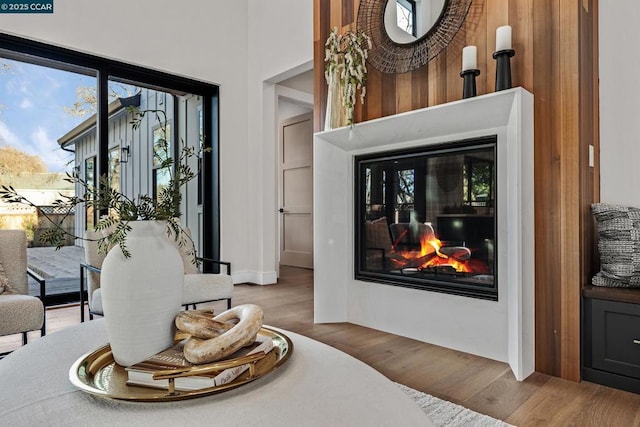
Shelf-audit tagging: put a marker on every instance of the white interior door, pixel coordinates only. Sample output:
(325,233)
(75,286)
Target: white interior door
(296,191)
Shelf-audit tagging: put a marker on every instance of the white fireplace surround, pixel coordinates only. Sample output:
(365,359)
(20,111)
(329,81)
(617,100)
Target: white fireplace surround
(502,330)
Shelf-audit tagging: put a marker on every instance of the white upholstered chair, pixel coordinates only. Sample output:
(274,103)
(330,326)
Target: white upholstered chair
(202,287)
(198,287)
(19,312)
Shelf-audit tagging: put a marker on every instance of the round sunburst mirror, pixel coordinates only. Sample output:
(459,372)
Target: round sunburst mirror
(407,34)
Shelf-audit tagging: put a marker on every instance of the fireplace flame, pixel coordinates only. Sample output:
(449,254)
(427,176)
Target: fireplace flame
(433,255)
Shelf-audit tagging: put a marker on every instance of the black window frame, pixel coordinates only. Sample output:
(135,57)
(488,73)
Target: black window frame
(22,49)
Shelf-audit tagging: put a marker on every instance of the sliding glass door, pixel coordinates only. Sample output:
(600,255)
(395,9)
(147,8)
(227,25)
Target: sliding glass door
(101,141)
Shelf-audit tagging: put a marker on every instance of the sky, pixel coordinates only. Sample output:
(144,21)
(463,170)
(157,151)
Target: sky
(32,115)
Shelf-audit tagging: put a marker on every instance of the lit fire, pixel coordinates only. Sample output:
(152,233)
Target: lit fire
(432,255)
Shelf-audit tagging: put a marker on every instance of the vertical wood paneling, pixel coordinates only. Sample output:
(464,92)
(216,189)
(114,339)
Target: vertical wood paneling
(373,102)
(403,89)
(476,35)
(320,27)
(454,65)
(520,13)
(556,49)
(437,86)
(497,15)
(547,203)
(388,95)
(336,14)
(570,201)
(347,12)
(420,88)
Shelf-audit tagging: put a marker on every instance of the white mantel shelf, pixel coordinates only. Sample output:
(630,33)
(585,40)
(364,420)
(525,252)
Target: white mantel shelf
(501,330)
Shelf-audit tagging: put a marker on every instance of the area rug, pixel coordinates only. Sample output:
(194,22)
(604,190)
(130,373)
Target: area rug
(443,413)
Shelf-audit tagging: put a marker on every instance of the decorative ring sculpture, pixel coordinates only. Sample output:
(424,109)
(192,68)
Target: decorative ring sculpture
(199,350)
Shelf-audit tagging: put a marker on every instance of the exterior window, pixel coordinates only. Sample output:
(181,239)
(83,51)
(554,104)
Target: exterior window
(161,154)
(90,178)
(478,182)
(407,16)
(114,167)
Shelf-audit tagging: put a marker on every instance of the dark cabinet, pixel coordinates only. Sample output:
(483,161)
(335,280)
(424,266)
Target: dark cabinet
(611,342)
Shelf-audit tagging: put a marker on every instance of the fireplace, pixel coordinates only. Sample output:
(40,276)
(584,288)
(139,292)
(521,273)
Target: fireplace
(425,218)
(499,324)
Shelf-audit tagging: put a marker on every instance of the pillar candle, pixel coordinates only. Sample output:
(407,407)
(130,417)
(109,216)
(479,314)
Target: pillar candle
(503,38)
(469,58)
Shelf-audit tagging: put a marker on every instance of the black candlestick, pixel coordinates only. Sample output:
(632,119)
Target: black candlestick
(469,83)
(503,68)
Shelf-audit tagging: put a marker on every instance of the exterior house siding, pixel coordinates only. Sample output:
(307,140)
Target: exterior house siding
(136,174)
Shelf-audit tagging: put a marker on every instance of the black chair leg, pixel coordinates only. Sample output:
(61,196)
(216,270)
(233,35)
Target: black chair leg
(228,303)
(24,338)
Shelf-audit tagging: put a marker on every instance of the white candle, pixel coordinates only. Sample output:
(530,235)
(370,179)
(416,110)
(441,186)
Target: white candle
(503,38)
(469,58)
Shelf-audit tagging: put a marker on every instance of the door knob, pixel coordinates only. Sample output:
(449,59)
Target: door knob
(281,210)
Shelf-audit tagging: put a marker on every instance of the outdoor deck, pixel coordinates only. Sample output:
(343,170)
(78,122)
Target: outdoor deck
(60,268)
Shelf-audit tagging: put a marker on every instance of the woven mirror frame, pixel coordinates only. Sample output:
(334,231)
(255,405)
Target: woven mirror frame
(391,57)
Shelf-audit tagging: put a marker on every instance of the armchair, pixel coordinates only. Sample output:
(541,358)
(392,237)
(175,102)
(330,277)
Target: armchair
(198,287)
(202,287)
(19,312)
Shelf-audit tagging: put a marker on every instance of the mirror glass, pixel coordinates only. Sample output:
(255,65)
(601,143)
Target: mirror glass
(406,21)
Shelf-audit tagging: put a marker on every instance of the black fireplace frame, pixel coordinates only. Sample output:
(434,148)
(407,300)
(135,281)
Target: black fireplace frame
(467,289)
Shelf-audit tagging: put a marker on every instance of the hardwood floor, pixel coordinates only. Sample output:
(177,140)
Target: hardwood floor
(484,385)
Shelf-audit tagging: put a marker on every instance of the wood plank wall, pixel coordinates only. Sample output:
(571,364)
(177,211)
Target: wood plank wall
(556,60)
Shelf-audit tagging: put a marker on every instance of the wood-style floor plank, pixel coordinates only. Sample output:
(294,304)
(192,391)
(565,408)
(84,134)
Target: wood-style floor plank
(484,385)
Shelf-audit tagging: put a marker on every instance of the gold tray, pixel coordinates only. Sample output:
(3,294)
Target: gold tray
(97,373)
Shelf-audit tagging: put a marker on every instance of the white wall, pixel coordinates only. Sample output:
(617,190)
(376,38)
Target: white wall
(235,44)
(280,46)
(288,109)
(619,102)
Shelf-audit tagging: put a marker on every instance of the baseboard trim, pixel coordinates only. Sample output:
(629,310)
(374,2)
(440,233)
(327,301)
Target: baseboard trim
(255,277)
(612,380)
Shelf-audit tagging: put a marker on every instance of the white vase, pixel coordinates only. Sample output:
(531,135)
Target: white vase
(142,295)
(335,114)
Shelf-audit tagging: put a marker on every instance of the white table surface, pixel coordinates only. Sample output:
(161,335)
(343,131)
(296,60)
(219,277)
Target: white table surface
(317,386)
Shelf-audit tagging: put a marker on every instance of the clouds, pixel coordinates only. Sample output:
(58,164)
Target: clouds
(39,143)
(7,137)
(26,104)
(48,149)
(41,140)
(33,116)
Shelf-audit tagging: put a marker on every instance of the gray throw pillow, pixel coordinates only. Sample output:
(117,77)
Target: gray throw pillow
(618,244)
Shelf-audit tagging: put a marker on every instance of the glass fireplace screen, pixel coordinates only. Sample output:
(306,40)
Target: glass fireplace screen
(426,218)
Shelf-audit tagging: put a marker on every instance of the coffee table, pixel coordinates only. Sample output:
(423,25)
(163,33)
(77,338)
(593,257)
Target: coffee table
(317,386)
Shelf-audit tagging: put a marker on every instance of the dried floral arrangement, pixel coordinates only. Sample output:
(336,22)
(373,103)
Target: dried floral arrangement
(345,58)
